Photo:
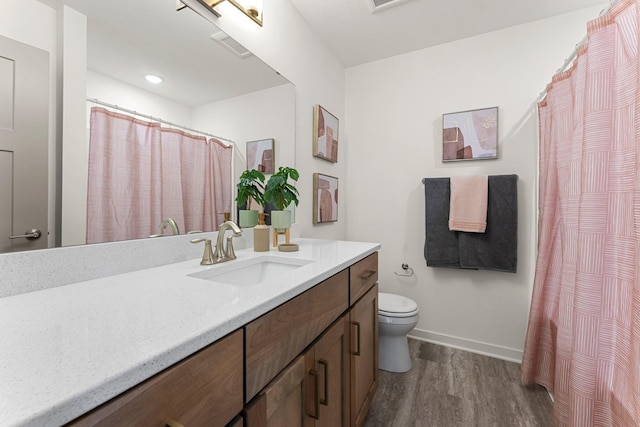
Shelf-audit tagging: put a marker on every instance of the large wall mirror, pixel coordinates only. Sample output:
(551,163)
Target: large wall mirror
(210,84)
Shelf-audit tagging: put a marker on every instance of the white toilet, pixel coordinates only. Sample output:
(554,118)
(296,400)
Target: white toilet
(397,315)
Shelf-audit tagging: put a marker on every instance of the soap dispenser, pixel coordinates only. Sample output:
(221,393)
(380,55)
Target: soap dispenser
(261,235)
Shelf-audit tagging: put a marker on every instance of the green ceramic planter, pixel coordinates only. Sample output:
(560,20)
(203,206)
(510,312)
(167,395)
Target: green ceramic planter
(281,220)
(248,218)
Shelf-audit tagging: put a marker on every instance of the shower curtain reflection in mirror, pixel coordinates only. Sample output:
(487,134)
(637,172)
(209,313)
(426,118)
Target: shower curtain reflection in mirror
(141,173)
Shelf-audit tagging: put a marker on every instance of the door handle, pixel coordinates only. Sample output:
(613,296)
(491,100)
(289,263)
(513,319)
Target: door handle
(325,366)
(33,234)
(316,400)
(357,352)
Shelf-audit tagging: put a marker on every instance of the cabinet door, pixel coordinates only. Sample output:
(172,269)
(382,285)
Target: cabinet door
(328,396)
(280,404)
(276,338)
(364,354)
(205,389)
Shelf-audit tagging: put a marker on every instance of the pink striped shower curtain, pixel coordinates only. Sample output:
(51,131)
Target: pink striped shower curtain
(583,338)
(140,174)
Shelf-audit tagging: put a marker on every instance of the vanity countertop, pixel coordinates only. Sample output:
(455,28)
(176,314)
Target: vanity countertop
(68,349)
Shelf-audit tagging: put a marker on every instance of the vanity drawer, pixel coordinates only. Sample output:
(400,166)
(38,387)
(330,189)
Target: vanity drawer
(276,338)
(363,275)
(204,389)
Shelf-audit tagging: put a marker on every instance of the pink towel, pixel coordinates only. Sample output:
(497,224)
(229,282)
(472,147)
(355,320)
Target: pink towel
(468,204)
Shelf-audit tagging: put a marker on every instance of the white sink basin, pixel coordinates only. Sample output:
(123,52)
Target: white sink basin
(252,271)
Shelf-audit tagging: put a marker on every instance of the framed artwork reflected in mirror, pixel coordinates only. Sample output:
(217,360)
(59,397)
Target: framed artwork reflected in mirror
(261,155)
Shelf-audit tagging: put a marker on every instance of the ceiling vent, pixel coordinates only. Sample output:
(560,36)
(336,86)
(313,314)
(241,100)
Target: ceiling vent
(231,44)
(381,5)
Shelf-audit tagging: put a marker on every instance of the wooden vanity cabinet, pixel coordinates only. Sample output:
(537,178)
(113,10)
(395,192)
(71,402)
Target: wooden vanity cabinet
(327,385)
(330,382)
(363,319)
(311,362)
(362,276)
(237,422)
(312,391)
(281,403)
(204,389)
(364,354)
(273,340)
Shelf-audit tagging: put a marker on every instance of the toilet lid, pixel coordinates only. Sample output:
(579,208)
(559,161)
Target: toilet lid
(396,305)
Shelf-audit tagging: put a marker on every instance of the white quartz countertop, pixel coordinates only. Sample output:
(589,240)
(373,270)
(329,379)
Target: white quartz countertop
(66,350)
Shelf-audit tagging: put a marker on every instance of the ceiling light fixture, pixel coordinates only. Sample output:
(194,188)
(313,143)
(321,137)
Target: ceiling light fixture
(251,8)
(153,79)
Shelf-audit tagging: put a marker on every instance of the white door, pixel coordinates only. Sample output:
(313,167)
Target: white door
(24,117)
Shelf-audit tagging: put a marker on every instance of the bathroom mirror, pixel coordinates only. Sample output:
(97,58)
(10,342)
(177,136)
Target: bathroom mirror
(208,81)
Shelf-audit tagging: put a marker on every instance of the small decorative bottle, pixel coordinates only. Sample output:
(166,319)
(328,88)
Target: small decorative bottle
(261,235)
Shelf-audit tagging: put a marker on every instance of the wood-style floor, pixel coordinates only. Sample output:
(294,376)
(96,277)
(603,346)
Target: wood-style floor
(453,388)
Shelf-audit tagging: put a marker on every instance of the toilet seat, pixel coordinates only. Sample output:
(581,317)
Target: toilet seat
(392,305)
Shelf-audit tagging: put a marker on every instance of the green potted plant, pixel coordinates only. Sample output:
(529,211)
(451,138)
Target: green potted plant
(250,188)
(281,194)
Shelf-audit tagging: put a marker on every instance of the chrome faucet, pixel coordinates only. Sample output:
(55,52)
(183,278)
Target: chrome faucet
(222,252)
(170,222)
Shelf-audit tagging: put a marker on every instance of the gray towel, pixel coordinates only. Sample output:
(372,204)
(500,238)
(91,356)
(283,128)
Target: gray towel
(496,249)
(441,245)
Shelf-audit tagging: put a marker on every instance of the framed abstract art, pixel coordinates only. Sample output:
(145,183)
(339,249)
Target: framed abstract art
(325,134)
(325,198)
(470,135)
(261,155)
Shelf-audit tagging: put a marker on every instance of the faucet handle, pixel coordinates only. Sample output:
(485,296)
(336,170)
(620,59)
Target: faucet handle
(230,253)
(207,256)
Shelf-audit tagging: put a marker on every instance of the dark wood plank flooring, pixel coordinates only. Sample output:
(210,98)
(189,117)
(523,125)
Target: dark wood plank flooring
(454,388)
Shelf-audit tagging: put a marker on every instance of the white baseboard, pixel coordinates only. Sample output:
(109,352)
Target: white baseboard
(499,352)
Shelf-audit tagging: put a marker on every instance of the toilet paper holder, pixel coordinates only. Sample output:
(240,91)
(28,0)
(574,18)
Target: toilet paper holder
(408,271)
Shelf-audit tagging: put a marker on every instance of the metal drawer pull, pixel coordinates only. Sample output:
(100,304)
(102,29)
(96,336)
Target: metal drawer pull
(33,234)
(325,366)
(357,352)
(367,276)
(316,404)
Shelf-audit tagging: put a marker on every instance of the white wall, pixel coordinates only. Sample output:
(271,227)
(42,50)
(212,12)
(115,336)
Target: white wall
(73,143)
(287,44)
(393,125)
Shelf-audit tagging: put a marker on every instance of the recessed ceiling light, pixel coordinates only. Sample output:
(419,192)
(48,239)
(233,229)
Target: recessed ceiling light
(153,79)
